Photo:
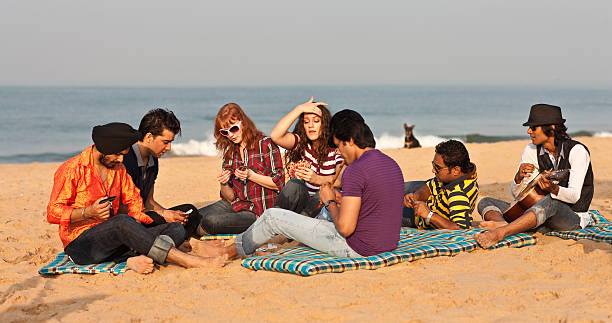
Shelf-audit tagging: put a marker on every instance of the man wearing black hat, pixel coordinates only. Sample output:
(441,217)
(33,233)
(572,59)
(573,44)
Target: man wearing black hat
(567,203)
(87,191)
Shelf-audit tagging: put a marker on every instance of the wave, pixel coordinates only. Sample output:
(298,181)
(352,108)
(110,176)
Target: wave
(207,147)
(603,134)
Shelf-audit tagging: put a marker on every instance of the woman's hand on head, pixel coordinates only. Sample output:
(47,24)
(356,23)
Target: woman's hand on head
(311,107)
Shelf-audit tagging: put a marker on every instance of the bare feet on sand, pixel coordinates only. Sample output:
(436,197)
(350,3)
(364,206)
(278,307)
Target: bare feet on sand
(141,264)
(211,248)
(185,247)
(488,239)
(491,225)
(210,262)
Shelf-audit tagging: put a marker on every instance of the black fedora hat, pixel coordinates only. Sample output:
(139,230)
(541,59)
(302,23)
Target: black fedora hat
(544,114)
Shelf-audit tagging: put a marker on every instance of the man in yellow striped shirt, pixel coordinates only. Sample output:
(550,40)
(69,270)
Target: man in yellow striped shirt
(447,200)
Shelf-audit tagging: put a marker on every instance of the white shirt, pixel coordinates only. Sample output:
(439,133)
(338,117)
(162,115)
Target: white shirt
(579,161)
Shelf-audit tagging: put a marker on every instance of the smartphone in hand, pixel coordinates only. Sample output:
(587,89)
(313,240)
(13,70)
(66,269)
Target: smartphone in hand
(108,199)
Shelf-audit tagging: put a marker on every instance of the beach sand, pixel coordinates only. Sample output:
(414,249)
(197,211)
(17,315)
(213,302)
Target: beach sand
(553,281)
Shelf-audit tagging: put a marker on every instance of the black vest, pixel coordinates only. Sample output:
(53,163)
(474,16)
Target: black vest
(135,172)
(586,194)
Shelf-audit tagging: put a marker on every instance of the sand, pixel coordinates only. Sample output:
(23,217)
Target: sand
(553,281)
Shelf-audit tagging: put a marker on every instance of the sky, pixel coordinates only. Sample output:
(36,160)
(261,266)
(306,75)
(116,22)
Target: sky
(332,42)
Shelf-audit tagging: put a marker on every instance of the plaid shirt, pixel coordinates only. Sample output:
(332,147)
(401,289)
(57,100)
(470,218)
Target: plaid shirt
(264,160)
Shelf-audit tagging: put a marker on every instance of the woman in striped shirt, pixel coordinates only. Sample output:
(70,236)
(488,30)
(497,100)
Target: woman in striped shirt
(307,144)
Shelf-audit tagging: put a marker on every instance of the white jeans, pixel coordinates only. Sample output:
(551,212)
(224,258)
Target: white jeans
(318,233)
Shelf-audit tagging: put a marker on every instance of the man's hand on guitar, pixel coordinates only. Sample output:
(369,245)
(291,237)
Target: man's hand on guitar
(545,184)
(524,170)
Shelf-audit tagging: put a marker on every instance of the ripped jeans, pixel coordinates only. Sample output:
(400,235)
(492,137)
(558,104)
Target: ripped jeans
(318,233)
(551,214)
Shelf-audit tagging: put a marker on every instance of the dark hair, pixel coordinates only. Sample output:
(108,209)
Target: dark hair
(453,154)
(321,149)
(559,132)
(156,120)
(349,124)
(230,114)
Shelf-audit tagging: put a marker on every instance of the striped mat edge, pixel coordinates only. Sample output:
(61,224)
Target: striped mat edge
(62,264)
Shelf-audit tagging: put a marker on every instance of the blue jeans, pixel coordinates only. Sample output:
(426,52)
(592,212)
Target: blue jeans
(194,219)
(551,214)
(220,218)
(318,233)
(295,197)
(113,238)
(408,213)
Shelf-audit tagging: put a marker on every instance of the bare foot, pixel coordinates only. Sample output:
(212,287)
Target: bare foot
(185,247)
(491,225)
(211,248)
(488,239)
(209,262)
(141,264)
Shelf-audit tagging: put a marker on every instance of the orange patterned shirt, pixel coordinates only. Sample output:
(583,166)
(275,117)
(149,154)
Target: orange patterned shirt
(77,184)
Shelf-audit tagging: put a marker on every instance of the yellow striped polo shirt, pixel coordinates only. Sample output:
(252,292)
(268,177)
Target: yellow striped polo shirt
(454,201)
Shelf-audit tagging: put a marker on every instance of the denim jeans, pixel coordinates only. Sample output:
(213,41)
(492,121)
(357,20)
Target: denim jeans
(295,197)
(113,238)
(551,214)
(220,218)
(318,233)
(408,213)
(193,220)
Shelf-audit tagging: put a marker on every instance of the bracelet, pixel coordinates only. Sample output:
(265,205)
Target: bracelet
(83,213)
(326,204)
(429,217)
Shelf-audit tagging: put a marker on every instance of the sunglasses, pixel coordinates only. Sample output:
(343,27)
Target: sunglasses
(437,168)
(533,128)
(232,129)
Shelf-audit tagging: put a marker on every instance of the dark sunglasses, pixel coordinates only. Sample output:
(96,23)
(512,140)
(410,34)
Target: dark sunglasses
(533,128)
(437,168)
(232,129)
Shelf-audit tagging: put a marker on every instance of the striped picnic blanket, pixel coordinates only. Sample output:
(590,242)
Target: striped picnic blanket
(63,265)
(600,229)
(413,245)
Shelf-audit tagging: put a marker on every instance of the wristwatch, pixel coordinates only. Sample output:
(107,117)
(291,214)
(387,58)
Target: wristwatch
(326,204)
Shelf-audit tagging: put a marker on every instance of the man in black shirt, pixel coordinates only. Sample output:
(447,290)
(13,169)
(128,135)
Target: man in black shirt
(157,130)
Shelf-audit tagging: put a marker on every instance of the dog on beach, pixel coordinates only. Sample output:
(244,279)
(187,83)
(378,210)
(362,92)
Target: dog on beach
(410,140)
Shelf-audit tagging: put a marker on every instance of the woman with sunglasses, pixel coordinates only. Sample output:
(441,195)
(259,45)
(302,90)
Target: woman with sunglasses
(251,177)
(308,142)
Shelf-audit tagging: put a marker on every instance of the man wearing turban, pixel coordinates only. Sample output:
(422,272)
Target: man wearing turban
(89,226)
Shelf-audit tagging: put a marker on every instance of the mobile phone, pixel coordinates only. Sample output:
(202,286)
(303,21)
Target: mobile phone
(188,212)
(108,199)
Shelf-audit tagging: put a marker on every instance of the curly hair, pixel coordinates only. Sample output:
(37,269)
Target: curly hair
(453,154)
(228,115)
(321,148)
(559,131)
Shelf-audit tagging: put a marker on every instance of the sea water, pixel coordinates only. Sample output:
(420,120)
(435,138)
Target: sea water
(54,123)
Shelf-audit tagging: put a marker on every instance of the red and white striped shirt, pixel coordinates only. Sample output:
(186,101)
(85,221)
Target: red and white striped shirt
(328,168)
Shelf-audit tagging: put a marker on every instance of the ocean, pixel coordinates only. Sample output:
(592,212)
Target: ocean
(45,124)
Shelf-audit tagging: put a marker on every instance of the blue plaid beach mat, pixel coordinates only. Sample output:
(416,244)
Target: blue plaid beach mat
(413,245)
(62,264)
(600,229)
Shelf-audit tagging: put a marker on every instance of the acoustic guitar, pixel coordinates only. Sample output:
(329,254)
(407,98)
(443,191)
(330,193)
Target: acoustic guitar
(531,194)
